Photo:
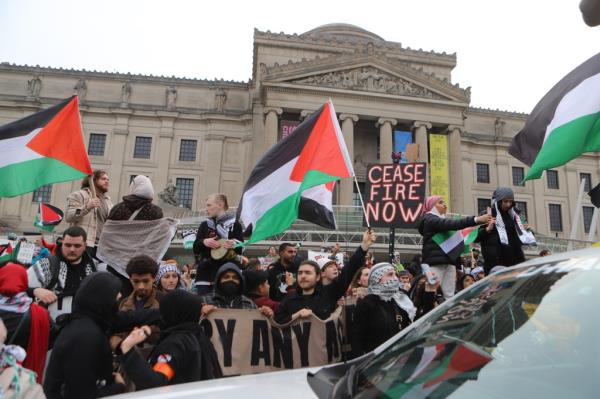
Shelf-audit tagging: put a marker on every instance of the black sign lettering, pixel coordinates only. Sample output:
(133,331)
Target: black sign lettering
(332,342)
(226,337)
(260,338)
(282,347)
(302,332)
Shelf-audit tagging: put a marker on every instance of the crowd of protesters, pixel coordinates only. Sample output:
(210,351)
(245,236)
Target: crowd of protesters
(89,331)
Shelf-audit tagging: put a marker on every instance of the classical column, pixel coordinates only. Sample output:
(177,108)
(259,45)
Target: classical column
(346,185)
(271,126)
(214,160)
(165,142)
(386,143)
(118,146)
(456,177)
(420,129)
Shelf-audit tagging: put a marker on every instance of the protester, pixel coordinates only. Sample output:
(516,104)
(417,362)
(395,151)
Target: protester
(359,287)
(405,279)
(329,270)
(89,208)
(282,274)
(381,314)
(465,281)
(188,275)
(414,268)
(369,259)
(28,324)
(56,279)
(81,362)
(228,293)
(138,204)
(501,240)
(545,252)
(169,277)
(142,271)
(220,225)
(478,273)
(315,298)
(183,354)
(257,289)
(476,258)
(433,222)
(424,296)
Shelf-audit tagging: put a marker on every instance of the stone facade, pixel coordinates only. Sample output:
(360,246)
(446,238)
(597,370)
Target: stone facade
(377,86)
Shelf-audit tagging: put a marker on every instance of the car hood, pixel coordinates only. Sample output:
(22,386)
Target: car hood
(292,384)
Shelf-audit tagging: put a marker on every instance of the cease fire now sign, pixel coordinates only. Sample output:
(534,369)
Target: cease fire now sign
(394,194)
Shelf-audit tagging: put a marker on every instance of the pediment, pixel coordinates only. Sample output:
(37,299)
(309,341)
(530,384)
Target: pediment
(365,73)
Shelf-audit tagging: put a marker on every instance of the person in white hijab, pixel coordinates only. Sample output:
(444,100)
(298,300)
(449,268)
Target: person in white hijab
(138,204)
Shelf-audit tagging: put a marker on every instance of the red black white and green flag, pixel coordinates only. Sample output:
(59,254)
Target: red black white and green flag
(48,217)
(564,124)
(43,148)
(295,178)
(453,243)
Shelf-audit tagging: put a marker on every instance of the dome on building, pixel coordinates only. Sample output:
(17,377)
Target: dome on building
(342,31)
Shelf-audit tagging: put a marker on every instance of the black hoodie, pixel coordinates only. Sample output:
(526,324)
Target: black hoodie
(221,300)
(80,366)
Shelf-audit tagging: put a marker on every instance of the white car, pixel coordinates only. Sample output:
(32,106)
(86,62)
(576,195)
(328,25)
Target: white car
(529,331)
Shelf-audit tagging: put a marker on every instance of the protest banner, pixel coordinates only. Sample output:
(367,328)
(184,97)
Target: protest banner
(247,342)
(316,256)
(395,194)
(438,167)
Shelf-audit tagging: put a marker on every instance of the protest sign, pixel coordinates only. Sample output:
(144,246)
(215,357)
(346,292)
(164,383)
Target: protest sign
(394,194)
(316,256)
(247,342)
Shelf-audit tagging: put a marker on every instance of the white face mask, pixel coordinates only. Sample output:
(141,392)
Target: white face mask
(386,290)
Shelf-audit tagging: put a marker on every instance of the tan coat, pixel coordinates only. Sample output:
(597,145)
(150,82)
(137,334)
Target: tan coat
(91,221)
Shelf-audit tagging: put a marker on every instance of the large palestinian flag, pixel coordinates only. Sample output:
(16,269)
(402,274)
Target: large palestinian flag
(564,124)
(43,148)
(295,178)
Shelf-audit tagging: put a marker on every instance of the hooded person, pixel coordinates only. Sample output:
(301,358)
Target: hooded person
(381,314)
(502,239)
(138,204)
(183,353)
(81,362)
(28,324)
(434,221)
(229,292)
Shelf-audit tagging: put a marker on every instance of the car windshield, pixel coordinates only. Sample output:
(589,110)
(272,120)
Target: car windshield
(526,332)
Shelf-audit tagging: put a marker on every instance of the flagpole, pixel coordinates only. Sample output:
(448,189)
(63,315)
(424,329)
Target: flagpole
(361,202)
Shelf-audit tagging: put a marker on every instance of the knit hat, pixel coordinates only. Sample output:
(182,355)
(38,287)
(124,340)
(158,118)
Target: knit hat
(322,262)
(165,268)
(431,201)
(141,186)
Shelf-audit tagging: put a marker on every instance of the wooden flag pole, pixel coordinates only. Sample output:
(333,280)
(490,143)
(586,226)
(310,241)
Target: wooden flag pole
(362,202)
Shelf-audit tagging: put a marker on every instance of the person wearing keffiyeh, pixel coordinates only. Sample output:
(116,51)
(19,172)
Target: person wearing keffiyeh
(168,277)
(385,311)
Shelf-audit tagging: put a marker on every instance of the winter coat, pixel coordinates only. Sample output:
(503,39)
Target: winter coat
(91,221)
(276,276)
(218,297)
(325,297)
(430,225)
(493,251)
(131,203)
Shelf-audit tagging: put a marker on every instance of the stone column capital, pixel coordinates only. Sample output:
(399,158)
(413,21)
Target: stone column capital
(418,124)
(304,113)
(352,117)
(277,110)
(452,128)
(383,121)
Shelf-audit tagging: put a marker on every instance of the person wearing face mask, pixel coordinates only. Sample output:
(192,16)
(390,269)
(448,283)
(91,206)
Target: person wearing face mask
(382,313)
(228,294)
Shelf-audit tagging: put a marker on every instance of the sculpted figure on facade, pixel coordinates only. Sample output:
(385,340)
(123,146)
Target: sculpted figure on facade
(171,97)
(169,194)
(220,100)
(80,89)
(125,93)
(499,127)
(34,86)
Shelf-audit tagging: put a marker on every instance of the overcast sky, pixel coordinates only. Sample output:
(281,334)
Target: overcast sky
(511,52)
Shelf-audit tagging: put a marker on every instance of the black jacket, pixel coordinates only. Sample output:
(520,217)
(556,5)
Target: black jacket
(324,300)
(374,322)
(218,297)
(431,225)
(131,203)
(11,321)
(494,252)
(277,276)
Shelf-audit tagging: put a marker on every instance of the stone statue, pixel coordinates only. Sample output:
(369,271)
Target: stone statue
(34,86)
(80,89)
(169,194)
(171,97)
(125,93)
(220,100)
(499,127)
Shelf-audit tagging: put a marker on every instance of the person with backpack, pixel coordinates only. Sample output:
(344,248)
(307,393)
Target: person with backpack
(55,280)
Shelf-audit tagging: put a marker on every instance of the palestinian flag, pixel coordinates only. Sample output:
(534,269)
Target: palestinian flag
(8,253)
(295,178)
(453,243)
(43,148)
(564,124)
(48,217)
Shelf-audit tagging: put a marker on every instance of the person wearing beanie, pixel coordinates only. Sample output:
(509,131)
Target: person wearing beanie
(503,238)
(329,270)
(381,314)
(138,204)
(257,288)
(434,221)
(169,277)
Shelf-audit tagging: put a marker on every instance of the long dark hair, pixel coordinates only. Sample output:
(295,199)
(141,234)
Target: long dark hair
(98,173)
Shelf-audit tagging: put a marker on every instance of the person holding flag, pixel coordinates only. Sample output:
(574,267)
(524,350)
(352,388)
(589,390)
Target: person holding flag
(442,251)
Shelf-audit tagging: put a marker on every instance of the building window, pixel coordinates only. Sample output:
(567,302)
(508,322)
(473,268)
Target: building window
(42,194)
(483,173)
(552,179)
(588,213)
(143,147)
(97,144)
(587,181)
(356,196)
(185,189)
(483,204)
(187,150)
(555,217)
(518,174)
(522,208)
